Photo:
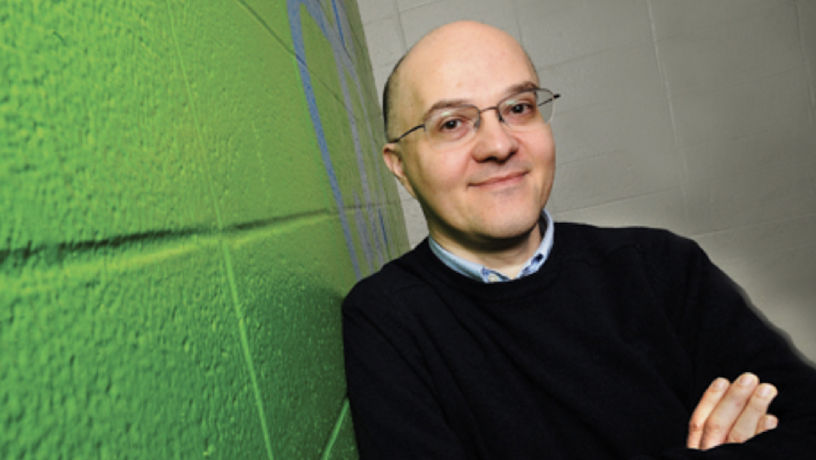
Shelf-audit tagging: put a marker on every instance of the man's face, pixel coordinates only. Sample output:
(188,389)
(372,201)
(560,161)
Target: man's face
(490,190)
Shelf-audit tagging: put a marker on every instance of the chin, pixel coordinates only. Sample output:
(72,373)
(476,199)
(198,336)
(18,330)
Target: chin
(506,227)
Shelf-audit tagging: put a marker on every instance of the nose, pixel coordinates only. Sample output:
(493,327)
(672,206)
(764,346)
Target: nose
(494,140)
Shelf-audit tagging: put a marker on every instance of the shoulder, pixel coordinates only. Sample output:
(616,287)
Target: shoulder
(669,262)
(599,242)
(397,279)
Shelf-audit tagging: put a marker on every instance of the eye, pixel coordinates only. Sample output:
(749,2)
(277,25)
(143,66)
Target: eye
(521,108)
(520,104)
(453,124)
(450,125)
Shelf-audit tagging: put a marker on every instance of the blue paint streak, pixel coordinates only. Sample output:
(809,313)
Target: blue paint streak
(337,38)
(339,24)
(382,226)
(306,79)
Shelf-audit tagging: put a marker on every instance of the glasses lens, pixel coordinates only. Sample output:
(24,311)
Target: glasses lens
(448,127)
(546,104)
(527,108)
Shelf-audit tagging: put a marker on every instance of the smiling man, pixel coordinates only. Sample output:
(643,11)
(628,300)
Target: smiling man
(482,195)
(506,335)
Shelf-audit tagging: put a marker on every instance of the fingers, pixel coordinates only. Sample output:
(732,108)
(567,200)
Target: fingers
(767,423)
(732,413)
(740,414)
(709,401)
(718,426)
(752,418)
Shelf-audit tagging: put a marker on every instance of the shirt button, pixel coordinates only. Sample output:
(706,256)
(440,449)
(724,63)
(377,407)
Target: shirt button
(493,278)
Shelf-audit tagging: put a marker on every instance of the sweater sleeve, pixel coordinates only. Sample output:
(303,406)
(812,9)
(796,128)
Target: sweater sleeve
(724,336)
(395,412)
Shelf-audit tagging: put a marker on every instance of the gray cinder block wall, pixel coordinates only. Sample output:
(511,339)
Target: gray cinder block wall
(697,116)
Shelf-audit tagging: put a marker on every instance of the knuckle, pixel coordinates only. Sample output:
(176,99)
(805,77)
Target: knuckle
(696,426)
(716,427)
(759,404)
(737,437)
(757,409)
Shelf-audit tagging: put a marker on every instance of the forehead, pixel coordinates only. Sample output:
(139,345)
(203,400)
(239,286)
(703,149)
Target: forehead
(478,67)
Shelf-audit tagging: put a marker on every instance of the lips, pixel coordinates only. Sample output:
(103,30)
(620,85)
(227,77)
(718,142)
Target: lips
(504,178)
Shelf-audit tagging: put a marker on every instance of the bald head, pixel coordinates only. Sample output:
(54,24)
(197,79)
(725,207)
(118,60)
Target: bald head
(455,42)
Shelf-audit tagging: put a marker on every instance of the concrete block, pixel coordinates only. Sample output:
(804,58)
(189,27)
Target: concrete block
(374,10)
(764,239)
(688,18)
(387,43)
(807,26)
(729,53)
(557,36)
(124,351)
(786,191)
(251,115)
(699,212)
(742,108)
(662,210)
(172,256)
(404,5)
(418,21)
(719,159)
(99,133)
(613,176)
(415,222)
(290,279)
(344,445)
(621,76)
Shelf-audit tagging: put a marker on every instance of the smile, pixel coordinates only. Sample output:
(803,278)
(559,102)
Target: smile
(503,180)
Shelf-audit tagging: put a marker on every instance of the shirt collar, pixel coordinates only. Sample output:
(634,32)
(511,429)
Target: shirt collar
(481,273)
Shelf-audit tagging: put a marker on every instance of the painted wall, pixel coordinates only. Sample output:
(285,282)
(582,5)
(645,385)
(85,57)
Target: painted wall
(187,191)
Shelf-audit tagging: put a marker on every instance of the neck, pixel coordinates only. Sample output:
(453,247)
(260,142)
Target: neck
(506,256)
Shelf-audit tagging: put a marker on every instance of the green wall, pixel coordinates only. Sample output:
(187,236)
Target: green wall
(187,191)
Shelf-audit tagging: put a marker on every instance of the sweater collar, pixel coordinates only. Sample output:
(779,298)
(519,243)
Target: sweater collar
(483,274)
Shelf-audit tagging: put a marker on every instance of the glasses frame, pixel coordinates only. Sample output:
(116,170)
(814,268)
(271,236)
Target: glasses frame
(495,107)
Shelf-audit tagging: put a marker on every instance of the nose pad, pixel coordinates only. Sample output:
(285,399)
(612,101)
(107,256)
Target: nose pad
(494,139)
(494,108)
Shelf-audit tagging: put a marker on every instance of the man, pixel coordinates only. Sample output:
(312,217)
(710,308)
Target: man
(505,335)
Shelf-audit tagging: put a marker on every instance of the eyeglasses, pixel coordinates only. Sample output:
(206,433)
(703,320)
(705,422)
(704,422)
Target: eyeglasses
(452,126)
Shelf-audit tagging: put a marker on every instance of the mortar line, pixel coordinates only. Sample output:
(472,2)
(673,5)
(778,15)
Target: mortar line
(227,259)
(245,346)
(262,22)
(159,239)
(664,81)
(194,111)
(338,424)
(663,77)
(806,61)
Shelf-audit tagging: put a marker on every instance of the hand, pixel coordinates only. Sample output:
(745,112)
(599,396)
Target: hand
(731,413)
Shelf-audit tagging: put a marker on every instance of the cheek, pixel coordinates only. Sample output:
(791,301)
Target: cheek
(542,147)
(441,173)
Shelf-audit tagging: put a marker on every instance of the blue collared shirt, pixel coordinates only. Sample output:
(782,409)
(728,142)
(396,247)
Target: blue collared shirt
(481,273)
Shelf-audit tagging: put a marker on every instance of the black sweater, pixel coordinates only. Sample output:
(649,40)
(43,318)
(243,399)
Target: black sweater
(602,354)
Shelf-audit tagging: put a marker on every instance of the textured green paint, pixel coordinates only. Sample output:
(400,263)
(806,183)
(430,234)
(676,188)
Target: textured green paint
(126,352)
(345,446)
(172,260)
(331,106)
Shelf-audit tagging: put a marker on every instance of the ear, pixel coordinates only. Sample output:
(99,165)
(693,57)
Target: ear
(393,159)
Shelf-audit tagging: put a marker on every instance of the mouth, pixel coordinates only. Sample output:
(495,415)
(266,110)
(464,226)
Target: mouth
(501,180)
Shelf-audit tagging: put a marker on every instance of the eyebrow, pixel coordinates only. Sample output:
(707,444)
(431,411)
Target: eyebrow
(450,103)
